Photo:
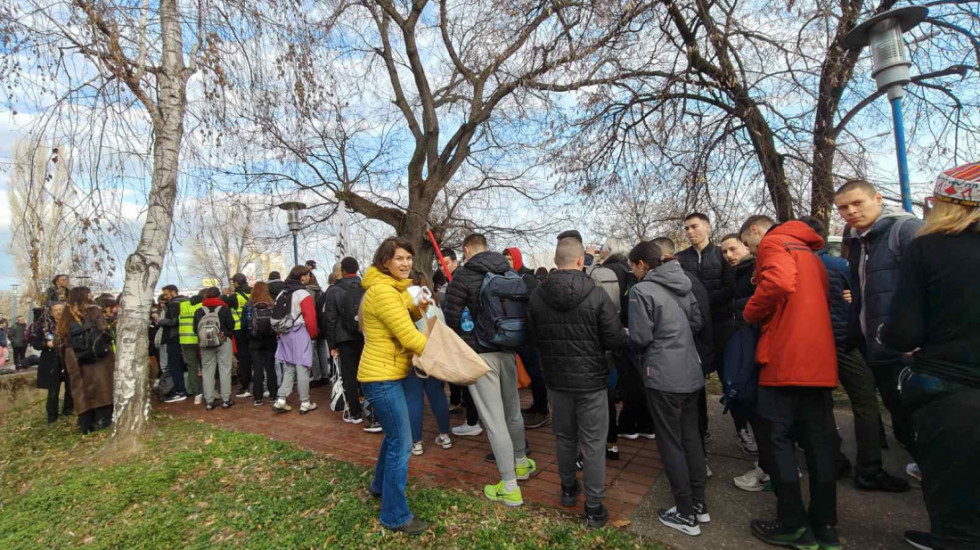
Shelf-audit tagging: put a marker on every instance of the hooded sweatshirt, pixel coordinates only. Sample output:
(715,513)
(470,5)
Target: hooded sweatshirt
(572,322)
(663,317)
(526,273)
(796,347)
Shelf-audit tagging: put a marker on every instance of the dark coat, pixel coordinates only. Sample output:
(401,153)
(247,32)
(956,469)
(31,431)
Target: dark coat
(329,308)
(18,335)
(224,315)
(875,271)
(937,307)
(464,291)
(841,312)
(572,323)
(92,383)
(621,267)
(170,322)
(275,287)
(717,276)
(50,369)
(56,295)
(704,338)
(744,287)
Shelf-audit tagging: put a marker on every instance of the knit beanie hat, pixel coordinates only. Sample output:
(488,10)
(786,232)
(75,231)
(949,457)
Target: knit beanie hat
(960,185)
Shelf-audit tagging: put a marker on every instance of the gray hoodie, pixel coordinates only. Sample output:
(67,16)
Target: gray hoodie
(663,317)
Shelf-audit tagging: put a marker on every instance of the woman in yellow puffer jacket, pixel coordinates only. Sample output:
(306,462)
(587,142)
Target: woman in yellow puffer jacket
(390,340)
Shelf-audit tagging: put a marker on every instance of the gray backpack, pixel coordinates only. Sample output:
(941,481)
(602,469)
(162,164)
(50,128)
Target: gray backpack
(606,279)
(209,333)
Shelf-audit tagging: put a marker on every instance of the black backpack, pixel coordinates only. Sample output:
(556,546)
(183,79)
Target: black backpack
(502,318)
(259,318)
(88,342)
(350,309)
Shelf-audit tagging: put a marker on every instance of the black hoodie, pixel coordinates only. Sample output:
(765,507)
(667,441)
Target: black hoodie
(464,292)
(572,322)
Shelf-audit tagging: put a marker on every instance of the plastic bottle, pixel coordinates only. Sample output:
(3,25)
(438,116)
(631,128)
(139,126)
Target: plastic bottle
(466,321)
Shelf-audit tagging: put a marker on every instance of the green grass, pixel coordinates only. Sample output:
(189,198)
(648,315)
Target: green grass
(195,486)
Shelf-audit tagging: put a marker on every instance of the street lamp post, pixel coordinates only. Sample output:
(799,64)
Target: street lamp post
(890,69)
(293,209)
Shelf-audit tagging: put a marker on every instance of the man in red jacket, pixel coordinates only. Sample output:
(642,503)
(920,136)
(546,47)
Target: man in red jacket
(798,371)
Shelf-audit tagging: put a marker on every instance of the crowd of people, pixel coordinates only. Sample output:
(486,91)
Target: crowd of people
(617,344)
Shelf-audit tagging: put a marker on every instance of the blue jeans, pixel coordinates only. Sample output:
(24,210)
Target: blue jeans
(391,473)
(436,390)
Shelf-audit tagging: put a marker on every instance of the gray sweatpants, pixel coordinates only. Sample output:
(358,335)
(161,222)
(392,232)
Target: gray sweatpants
(499,404)
(580,421)
(302,375)
(219,359)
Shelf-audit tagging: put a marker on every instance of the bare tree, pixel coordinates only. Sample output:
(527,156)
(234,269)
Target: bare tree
(756,86)
(223,238)
(130,63)
(426,113)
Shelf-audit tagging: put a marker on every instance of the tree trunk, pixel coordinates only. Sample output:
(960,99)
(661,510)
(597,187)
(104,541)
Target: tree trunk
(770,159)
(131,395)
(822,184)
(415,225)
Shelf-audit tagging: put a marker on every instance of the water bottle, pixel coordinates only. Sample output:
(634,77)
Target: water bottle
(466,322)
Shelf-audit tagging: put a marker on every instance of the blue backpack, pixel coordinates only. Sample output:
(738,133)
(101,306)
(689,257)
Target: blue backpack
(502,318)
(741,376)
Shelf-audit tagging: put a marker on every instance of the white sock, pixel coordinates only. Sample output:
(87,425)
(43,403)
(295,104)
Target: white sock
(510,485)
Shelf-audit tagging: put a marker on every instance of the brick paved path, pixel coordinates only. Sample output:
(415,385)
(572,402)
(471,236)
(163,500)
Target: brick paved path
(323,431)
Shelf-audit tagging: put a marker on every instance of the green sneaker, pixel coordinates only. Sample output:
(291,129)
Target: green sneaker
(524,472)
(498,493)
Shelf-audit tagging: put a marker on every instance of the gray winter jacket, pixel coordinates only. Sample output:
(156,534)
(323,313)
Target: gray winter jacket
(663,317)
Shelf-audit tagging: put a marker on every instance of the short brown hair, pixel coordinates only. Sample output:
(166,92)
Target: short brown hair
(856,183)
(730,236)
(297,272)
(211,292)
(386,251)
(759,219)
(475,240)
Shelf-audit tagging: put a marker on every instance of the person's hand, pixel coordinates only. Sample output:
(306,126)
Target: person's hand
(424,306)
(49,343)
(847,296)
(335,353)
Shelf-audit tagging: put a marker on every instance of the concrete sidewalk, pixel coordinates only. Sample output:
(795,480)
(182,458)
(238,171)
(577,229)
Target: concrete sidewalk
(867,521)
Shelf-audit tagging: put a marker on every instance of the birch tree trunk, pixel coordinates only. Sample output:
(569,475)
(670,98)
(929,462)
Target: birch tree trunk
(132,398)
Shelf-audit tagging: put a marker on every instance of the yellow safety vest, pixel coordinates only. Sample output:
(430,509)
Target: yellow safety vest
(186,322)
(242,299)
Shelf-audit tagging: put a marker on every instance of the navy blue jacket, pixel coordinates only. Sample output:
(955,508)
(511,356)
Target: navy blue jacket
(839,277)
(875,270)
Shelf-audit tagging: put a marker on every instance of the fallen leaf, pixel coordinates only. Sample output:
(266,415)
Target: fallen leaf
(218,462)
(621,523)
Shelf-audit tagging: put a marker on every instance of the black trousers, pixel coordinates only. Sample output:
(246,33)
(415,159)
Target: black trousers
(244,356)
(886,378)
(634,417)
(947,443)
(19,356)
(263,363)
(859,383)
(675,417)
(95,419)
(51,406)
(811,410)
(456,394)
(539,392)
(350,358)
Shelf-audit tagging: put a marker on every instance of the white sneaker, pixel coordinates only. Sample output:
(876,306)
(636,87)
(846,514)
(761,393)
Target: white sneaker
(417,449)
(306,406)
(746,442)
(753,481)
(265,394)
(912,469)
(707,470)
(648,435)
(630,436)
(281,406)
(467,430)
(198,399)
(444,441)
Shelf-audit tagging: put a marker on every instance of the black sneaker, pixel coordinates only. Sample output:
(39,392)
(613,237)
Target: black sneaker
(227,404)
(413,527)
(211,406)
(882,482)
(701,512)
(52,419)
(596,518)
(569,495)
(673,518)
(919,539)
(258,403)
(774,532)
(537,419)
(243,393)
(827,538)
(375,428)
(612,453)
(175,397)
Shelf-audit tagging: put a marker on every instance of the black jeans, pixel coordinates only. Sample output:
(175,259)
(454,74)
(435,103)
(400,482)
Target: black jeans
(175,364)
(263,361)
(95,419)
(19,356)
(886,378)
(52,404)
(634,417)
(244,356)
(456,394)
(811,410)
(675,416)
(859,383)
(947,443)
(539,392)
(350,358)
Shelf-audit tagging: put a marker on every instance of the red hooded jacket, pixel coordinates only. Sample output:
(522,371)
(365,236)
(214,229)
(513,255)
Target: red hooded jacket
(515,255)
(790,301)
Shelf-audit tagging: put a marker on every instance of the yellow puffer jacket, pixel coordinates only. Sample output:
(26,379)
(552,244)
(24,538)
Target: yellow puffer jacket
(390,336)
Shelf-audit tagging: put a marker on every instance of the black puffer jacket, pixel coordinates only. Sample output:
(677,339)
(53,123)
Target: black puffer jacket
(744,286)
(841,312)
(329,308)
(464,292)
(716,275)
(572,322)
(704,339)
